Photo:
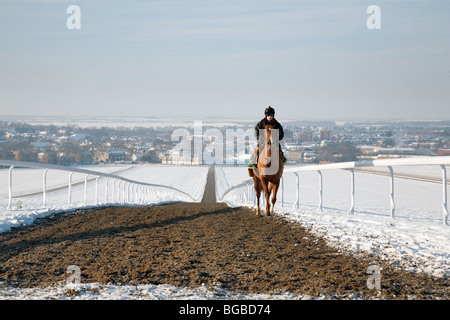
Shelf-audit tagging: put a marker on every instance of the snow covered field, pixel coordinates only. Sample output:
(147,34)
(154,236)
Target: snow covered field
(415,239)
(28,181)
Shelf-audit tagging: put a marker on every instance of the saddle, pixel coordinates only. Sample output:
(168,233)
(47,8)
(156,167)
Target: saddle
(252,166)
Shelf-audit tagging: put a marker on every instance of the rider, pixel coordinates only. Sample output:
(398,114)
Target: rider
(269,118)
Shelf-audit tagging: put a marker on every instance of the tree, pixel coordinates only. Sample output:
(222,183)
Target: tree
(150,156)
(338,151)
(388,143)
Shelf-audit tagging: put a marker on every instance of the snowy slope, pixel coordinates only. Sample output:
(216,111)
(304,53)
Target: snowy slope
(26,209)
(416,238)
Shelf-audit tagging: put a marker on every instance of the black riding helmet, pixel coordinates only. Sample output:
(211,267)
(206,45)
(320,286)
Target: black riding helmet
(269,110)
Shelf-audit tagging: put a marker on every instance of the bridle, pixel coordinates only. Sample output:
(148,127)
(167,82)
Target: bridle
(269,137)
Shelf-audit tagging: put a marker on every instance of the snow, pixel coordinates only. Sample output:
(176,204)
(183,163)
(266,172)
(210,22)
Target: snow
(26,181)
(97,291)
(415,239)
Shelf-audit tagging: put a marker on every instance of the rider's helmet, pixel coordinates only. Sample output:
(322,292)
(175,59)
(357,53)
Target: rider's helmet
(269,111)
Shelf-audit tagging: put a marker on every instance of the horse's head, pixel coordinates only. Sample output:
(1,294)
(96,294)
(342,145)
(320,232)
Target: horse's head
(268,127)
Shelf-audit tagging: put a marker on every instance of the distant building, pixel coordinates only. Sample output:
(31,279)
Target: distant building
(50,157)
(306,135)
(309,156)
(291,145)
(324,135)
(101,157)
(41,145)
(443,152)
(294,155)
(397,151)
(84,157)
(369,150)
(77,137)
(374,151)
(116,155)
(136,157)
(26,155)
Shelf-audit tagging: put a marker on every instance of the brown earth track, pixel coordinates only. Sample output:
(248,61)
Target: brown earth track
(209,195)
(195,244)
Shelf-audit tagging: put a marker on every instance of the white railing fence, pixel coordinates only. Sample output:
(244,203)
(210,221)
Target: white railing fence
(117,189)
(245,190)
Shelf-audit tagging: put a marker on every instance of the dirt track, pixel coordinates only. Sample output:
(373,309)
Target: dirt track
(194,244)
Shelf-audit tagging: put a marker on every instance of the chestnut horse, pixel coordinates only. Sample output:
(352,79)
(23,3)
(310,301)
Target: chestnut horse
(269,172)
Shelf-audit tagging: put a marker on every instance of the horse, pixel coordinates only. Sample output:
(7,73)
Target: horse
(270,172)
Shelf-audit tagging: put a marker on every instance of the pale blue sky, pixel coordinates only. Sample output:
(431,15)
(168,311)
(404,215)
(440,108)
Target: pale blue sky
(308,59)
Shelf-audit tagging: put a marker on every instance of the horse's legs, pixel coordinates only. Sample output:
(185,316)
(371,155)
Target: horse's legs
(265,186)
(270,188)
(258,193)
(274,196)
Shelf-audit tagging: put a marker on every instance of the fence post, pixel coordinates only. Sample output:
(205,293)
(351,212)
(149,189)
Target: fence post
(391,191)
(96,190)
(444,195)
(44,187)
(320,191)
(106,190)
(352,191)
(131,193)
(137,194)
(85,188)
(123,191)
(141,195)
(297,196)
(10,188)
(114,191)
(152,195)
(69,195)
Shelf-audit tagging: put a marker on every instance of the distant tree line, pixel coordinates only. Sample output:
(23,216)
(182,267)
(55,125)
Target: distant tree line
(338,152)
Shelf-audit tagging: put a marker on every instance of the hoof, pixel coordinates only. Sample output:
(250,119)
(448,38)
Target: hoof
(257,212)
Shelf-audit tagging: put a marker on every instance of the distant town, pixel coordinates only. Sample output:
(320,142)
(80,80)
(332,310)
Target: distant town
(304,142)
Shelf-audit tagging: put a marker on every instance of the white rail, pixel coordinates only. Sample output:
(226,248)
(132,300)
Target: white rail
(350,166)
(132,191)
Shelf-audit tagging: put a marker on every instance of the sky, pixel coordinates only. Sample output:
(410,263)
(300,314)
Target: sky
(314,60)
